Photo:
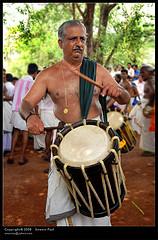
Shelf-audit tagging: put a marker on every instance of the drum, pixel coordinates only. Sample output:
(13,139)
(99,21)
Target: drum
(124,130)
(87,156)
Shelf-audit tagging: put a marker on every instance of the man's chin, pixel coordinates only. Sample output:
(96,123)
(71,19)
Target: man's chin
(77,56)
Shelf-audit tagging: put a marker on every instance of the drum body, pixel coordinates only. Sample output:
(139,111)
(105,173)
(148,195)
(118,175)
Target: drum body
(87,155)
(123,128)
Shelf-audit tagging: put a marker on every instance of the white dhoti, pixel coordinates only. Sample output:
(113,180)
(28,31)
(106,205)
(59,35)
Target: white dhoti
(59,205)
(7,126)
(48,118)
(136,117)
(147,138)
(39,141)
(7,112)
(18,122)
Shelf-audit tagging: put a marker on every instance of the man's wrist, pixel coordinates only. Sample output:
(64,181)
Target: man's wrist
(30,114)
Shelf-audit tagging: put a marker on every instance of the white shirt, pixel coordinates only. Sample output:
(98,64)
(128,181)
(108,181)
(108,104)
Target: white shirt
(10,88)
(131,72)
(140,88)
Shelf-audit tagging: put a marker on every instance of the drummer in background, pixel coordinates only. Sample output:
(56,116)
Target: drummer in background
(62,84)
(111,103)
(147,138)
(126,83)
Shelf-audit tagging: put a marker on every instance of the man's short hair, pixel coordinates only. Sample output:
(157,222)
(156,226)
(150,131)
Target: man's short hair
(9,77)
(148,68)
(63,26)
(124,70)
(32,68)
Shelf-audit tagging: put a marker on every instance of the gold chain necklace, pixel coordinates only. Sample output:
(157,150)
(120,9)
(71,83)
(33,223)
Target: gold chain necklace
(66,110)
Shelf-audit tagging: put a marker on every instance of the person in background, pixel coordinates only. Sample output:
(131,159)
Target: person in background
(15,79)
(46,113)
(22,86)
(8,93)
(147,137)
(111,103)
(62,84)
(140,86)
(130,70)
(136,72)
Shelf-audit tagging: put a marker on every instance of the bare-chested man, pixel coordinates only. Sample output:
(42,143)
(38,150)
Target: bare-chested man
(62,84)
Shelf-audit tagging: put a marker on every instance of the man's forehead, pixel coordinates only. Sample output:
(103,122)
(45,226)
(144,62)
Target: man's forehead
(75,29)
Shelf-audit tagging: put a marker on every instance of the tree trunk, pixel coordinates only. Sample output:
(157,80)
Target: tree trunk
(104,15)
(73,11)
(111,54)
(88,22)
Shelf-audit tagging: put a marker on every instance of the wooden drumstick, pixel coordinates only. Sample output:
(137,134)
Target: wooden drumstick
(51,128)
(87,79)
(83,76)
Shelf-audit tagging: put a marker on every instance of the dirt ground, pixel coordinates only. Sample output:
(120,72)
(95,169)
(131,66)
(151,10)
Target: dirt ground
(25,190)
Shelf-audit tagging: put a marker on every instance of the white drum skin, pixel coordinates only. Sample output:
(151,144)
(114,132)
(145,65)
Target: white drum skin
(85,145)
(115,119)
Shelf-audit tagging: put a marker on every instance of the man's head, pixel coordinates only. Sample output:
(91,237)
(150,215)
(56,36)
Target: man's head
(129,65)
(149,90)
(135,66)
(70,23)
(32,69)
(118,77)
(4,75)
(9,77)
(124,74)
(146,72)
(72,40)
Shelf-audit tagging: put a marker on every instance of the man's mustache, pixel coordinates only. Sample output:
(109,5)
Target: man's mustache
(78,48)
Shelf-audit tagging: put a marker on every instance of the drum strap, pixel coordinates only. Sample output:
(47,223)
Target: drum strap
(88,68)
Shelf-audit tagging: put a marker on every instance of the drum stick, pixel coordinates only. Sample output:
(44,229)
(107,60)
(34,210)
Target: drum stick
(51,128)
(88,79)
(83,76)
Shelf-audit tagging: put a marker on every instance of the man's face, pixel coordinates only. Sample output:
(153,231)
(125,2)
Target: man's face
(145,74)
(4,75)
(128,66)
(124,75)
(148,91)
(74,43)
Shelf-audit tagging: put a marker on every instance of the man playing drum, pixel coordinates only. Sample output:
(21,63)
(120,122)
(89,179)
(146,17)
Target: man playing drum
(62,84)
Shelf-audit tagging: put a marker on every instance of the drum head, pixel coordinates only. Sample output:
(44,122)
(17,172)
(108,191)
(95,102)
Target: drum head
(115,119)
(85,145)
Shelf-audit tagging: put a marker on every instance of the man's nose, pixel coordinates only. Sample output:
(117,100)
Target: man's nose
(79,41)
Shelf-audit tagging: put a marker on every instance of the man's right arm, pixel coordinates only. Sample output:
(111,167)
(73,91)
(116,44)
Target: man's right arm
(32,98)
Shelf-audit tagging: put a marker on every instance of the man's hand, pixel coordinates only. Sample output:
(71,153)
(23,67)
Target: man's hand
(112,90)
(35,125)
(117,92)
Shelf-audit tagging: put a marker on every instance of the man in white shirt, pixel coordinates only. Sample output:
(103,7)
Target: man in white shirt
(8,92)
(130,70)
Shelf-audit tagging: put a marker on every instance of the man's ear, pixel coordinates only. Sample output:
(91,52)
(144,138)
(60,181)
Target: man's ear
(60,43)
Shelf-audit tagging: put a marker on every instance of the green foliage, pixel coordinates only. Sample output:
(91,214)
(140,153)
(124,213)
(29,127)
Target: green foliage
(129,34)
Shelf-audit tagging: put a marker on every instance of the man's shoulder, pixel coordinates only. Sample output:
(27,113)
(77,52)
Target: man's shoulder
(25,78)
(49,73)
(51,69)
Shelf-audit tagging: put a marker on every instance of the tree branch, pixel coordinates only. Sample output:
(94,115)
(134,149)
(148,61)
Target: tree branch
(79,9)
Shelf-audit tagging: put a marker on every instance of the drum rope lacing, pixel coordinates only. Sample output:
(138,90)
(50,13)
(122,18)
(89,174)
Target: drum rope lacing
(117,174)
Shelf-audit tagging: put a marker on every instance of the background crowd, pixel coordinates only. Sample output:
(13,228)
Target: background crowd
(138,81)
